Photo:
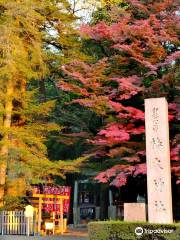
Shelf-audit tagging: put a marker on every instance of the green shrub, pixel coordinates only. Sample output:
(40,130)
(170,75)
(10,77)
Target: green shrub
(117,230)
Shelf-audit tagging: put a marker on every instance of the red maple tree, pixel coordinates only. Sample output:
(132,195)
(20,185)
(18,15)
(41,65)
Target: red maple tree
(143,42)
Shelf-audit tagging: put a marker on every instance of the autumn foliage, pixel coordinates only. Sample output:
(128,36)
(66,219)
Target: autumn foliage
(142,62)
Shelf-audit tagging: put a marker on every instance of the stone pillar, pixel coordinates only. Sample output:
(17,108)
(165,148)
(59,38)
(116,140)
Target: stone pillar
(110,198)
(111,208)
(112,212)
(75,204)
(158,161)
(97,213)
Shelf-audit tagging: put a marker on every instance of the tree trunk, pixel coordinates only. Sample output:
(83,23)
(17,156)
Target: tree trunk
(4,149)
(42,90)
(16,186)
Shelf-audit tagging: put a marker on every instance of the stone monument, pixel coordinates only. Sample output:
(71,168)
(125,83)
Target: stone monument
(135,212)
(158,161)
(29,213)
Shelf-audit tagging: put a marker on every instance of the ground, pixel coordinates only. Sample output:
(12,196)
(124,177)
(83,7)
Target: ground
(42,238)
(71,234)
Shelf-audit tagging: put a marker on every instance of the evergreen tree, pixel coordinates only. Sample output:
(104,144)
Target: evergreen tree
(33,35)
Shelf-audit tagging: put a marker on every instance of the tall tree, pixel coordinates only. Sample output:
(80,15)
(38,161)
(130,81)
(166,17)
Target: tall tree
(29,40)
(141,47)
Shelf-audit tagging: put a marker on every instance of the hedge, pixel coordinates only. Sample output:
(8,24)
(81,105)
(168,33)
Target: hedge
(118,230)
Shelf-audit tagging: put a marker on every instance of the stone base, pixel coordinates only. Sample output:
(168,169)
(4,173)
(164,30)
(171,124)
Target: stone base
(135,212)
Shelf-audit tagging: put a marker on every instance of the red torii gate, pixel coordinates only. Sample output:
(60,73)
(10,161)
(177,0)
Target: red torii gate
(52,199)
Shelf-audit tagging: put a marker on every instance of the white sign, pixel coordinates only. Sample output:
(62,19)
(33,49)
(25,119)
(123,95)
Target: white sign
(49,225)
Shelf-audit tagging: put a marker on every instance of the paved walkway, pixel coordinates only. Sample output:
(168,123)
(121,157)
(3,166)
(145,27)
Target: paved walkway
(71,234)
(42,238)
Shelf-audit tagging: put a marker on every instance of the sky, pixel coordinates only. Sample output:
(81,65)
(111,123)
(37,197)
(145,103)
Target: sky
(84,8)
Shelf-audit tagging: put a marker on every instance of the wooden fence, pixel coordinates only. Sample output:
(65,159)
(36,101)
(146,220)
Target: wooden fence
(15,223)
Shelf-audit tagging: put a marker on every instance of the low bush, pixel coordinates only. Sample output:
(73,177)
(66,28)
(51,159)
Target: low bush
(118,230)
